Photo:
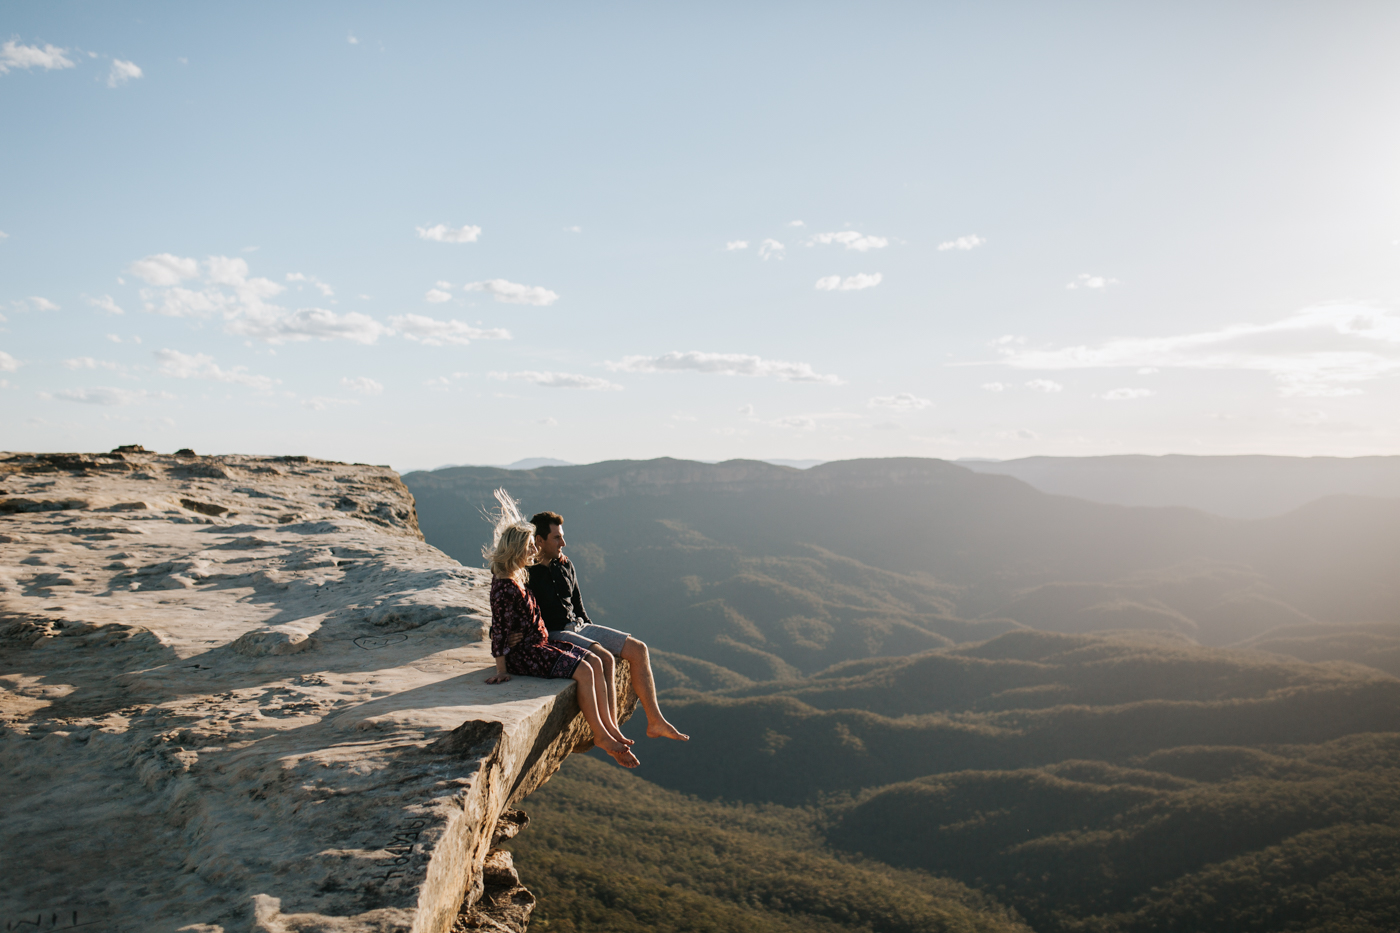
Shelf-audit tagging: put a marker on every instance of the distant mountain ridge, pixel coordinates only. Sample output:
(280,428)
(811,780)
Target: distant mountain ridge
(1233,486)
(770,571)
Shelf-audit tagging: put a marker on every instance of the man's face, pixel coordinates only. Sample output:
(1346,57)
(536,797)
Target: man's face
(552,544)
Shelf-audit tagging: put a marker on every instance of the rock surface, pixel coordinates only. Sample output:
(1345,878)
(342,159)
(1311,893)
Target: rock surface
(241,693)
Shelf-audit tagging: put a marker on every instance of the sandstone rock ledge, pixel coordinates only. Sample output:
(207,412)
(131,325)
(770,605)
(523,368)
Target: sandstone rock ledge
(241,693)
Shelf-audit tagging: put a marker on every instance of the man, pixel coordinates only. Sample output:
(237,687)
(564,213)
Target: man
(554,583)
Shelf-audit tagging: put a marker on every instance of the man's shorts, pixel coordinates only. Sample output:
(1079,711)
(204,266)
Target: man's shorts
(586,635)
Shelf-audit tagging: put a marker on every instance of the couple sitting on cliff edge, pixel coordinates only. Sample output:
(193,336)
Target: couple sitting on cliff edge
(539,628)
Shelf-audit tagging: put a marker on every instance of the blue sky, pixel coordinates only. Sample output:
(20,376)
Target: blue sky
(469,233)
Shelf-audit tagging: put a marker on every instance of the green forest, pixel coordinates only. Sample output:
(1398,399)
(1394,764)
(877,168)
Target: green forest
(927,699)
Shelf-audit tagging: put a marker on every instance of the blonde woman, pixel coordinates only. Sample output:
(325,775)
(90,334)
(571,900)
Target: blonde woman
(520,642)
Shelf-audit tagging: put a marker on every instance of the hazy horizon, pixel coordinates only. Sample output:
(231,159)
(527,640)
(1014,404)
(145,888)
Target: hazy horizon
(465,234)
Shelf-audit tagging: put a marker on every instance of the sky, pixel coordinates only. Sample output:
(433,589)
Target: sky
(421,234)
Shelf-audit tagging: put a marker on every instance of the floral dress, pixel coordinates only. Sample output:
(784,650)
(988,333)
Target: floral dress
(531,654)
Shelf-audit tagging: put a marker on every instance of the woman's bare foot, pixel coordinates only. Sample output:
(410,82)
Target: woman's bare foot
(664,730)
(620,753)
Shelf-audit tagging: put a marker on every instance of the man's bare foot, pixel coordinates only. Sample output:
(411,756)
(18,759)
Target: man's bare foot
(664,730)
(620,753)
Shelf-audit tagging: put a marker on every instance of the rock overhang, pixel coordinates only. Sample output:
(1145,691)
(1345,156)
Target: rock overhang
(243,693)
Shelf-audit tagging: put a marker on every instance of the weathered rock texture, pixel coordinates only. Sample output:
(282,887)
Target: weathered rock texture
(241,693)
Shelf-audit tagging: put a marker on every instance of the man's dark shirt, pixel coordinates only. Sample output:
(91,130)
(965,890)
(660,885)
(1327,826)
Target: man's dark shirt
(555,586)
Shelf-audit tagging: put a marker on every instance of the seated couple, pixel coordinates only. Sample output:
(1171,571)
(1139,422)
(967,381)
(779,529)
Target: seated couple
(540,629)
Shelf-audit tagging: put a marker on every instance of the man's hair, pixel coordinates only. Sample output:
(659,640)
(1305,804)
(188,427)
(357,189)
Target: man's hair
(544,522)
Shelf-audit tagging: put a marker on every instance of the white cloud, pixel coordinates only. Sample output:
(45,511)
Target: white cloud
(363,385)
(1085,280)
(852,283)
(43,304)
(1024,434)
(308,324)
(106,395)
(736,244)
(322,402)
(851,240)
(796,223)
(87,362)
(202,366)
(1045,385)
(574,229)
(441,284)
(435,333)
(770,249)
(122,72)
(351,39)
(49,58)
(243,302)
(796,421)
(746,410)
(106,303)
(970,241)
(904,401)
(164,269)
(8,364)
(438,296)
(726,364)
(1124,395)
(4,235)
(442,233)
(512,293)
(1325,350)
(322,287)
(995,386)
(561,380)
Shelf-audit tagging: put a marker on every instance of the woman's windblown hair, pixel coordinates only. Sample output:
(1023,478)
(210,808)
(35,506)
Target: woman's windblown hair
(510,540)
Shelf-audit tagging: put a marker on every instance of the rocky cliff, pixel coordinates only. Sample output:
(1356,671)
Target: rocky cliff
(241,693)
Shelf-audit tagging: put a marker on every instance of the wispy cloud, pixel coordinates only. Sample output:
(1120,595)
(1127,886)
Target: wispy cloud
(49,57)
(42,304)
(1125,395)
(122,72)
(1092,282)
(363,385)
(736,244)
(970,241)
(322,402)
(799,422)
(435,333)
(796,223)
(8,364)
(322,287)
(106,303)
(513,293)
(1047,386)
(1326,350)
(725,364)
(851,240)
(202,366)
(243,301)
(904,401)
(442,233)
(87,362)
(551,380)
(851,283)
(995,386)
(437,295)
(107,395)
(771,249)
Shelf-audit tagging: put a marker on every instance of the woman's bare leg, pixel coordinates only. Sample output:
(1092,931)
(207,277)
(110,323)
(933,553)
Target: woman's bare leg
(609,676)
(588,702)
(603,694)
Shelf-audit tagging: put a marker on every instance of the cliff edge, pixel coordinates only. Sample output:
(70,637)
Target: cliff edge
(242,693)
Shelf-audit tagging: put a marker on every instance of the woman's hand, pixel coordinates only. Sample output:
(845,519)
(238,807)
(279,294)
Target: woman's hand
(498,678)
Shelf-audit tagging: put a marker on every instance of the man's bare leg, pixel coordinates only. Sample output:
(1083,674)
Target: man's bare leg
(637,656)
(586,677)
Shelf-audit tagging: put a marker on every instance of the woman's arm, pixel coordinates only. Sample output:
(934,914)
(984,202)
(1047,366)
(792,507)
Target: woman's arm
(500,676)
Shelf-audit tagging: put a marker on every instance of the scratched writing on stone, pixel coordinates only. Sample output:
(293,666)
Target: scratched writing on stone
(60,920)
(402,845)
(370,642)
